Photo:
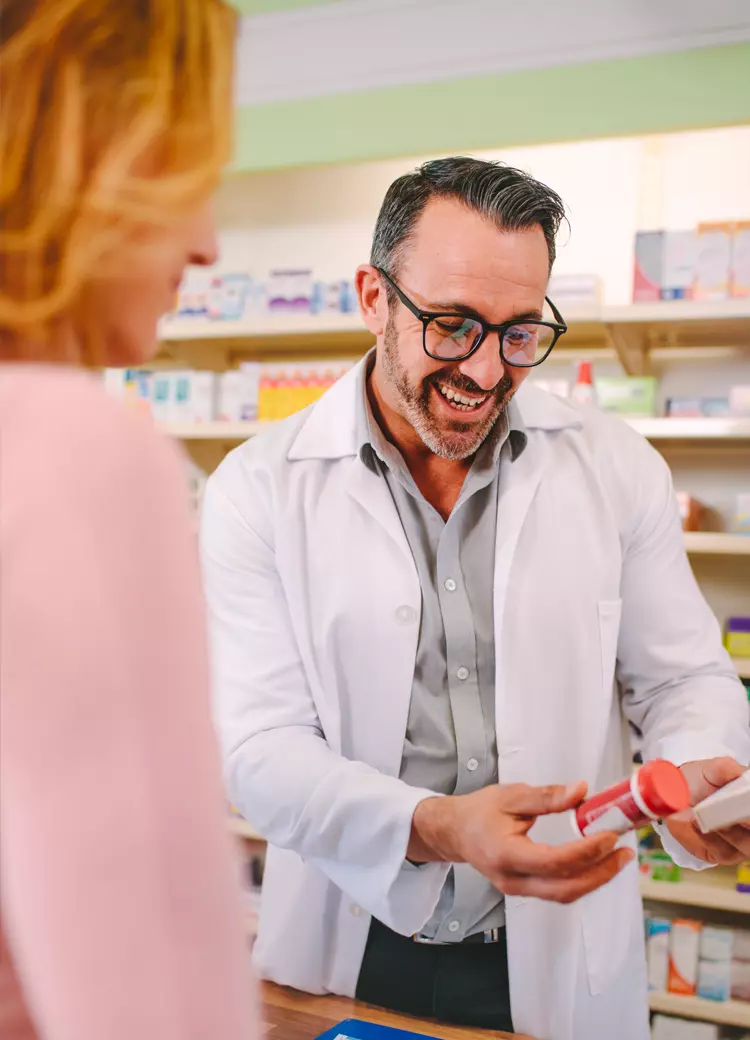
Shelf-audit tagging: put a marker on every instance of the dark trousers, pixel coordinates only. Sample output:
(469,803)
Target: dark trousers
(462,983)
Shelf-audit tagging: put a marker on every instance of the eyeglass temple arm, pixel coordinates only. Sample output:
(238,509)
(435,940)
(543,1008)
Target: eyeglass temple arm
(558,317)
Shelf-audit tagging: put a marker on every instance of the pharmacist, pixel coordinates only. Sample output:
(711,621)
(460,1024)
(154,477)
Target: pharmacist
(439,581)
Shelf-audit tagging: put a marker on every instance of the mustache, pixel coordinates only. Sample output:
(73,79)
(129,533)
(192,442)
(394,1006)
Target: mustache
(458,381)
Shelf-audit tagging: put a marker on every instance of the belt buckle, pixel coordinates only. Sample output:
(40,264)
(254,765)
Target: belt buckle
(426,941)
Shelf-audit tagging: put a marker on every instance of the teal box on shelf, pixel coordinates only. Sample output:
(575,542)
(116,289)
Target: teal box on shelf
(631,396)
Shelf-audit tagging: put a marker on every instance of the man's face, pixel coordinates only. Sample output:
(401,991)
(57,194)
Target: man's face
(458,261)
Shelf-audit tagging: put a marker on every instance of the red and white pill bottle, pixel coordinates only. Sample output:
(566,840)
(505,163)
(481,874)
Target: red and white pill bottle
(657,790)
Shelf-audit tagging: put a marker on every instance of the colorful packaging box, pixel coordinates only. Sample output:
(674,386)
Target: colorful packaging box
(713,261)
(228,297)
(741,518)
(683,957)
(716,944)
(698,407)
(161,396)
(678,272)
(649,265)
(737,636)
(715,979)
(230,396)
(739,401)
(657,951)
(691,511)
(202,396)
(740,989)
(630,396)
(740,274)
(249,390)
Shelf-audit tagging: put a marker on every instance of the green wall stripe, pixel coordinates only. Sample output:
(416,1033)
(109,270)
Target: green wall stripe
(272,6)
(688,89)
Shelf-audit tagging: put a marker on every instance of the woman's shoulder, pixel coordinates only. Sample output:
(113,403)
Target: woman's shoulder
(61,427)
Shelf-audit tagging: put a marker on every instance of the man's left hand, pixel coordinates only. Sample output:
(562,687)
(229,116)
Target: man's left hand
(721,847)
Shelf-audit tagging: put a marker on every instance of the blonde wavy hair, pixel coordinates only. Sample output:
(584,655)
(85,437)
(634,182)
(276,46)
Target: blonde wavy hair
(115,118)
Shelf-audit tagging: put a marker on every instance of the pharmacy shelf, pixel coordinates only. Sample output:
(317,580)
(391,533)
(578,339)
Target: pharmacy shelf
(711,889)
(243,829)
(653,429)
(214,431)
(275,335)
(712,543)
(727,1013)
(633,331)
(680,311)
(742,664)
(670,429)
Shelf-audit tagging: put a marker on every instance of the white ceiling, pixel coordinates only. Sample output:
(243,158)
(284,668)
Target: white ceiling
(363,44)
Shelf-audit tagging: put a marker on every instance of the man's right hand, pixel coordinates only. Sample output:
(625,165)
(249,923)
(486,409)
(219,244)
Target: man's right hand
(489,829)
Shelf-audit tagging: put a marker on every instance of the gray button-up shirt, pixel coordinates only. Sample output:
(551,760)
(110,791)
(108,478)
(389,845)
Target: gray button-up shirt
(451,745)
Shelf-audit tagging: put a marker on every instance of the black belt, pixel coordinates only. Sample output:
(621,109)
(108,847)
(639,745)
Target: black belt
(491,935)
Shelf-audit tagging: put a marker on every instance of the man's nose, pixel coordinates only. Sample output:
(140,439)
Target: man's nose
(485,367)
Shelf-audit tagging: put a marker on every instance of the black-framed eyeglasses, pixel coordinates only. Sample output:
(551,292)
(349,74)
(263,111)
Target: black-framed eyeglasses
(455,337)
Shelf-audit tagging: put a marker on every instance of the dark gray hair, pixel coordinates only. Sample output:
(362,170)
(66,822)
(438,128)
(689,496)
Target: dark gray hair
(508,197)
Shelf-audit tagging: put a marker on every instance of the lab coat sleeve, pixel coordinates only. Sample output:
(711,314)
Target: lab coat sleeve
(678,684)
(344,817)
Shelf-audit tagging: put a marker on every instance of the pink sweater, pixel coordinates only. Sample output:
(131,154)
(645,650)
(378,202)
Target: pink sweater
(121,917)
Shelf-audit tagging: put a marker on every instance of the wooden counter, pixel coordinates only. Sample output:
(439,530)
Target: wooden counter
(290,1015)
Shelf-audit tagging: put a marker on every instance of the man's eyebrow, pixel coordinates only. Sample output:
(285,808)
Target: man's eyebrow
(469,312)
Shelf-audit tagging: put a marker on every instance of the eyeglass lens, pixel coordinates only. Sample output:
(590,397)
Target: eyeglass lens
(449,337)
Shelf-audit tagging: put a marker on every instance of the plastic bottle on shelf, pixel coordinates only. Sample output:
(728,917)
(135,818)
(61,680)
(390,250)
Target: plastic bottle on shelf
(582,390)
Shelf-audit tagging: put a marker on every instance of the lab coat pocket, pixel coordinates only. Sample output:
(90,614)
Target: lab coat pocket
(610,612)
(610,917)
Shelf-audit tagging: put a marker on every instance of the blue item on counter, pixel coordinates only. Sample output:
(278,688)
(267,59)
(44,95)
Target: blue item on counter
(353,1029)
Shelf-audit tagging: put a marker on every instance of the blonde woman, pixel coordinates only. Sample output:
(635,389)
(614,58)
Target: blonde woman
(121,918)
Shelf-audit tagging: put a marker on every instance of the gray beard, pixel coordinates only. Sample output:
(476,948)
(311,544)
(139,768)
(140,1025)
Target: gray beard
(443,440)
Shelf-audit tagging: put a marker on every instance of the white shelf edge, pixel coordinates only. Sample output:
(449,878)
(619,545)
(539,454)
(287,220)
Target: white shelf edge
(696,893)
(692,429)
(678,310)
(176,329)
(717,543)
(213,431)
(652,429)
(728,1012)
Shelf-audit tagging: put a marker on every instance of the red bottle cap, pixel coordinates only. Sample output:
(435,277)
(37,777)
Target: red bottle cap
(663,788)
(584,373)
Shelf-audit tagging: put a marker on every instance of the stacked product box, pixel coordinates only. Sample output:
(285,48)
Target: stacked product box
(664,1027)
(171,395)
(710,262)
(688,958)
(289,387)
(233,295)
(253,391)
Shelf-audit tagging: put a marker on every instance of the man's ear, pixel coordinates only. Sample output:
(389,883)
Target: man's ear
(373,300)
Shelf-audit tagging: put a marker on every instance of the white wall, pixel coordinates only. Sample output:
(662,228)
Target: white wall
(323,218)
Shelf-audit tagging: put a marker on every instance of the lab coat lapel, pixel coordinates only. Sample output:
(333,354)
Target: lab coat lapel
(519,482)
(370,491)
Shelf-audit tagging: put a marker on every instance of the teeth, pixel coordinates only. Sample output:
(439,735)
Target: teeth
(459,399)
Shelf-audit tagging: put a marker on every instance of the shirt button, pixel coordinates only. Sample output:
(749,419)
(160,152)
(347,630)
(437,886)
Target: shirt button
(463,673)
(472,764)
(453,926)
(355,911)
(450,585)
(406,615)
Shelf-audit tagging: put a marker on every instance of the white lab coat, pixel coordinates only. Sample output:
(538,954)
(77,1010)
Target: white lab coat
(315,606)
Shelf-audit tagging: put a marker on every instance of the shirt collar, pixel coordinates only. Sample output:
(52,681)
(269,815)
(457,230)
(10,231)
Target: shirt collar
(373,446)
